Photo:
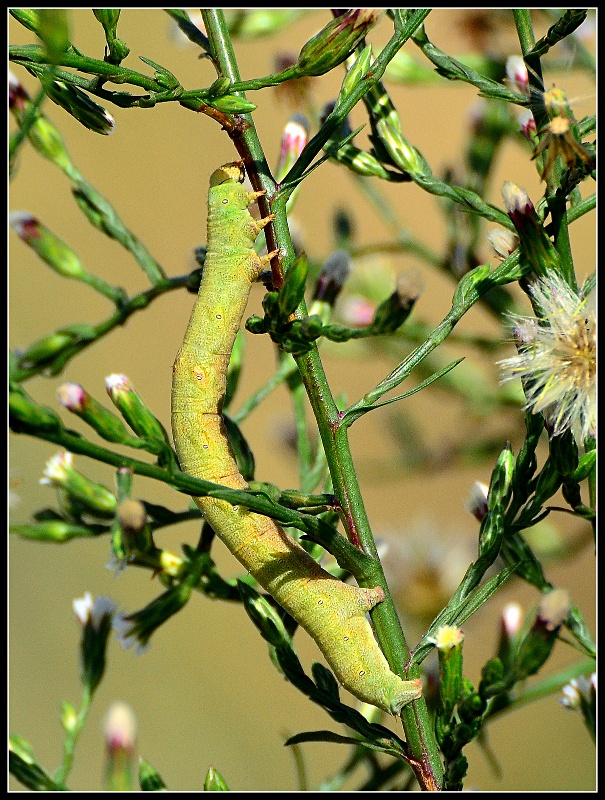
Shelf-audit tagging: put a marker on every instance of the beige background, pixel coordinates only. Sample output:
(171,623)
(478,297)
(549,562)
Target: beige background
(206,694)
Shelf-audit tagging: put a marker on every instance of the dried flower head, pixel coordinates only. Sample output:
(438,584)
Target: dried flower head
(556,357)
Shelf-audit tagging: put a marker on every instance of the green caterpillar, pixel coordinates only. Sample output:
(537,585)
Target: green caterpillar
(332,612)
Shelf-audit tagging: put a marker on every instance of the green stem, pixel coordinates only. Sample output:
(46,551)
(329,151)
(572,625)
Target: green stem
(71,739)
(119,317)
(416,721)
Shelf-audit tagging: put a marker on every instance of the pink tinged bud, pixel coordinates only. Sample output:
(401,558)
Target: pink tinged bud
(476,503)
(294,139)
(18,98)
(516,71)
(116,383)
(512,617)
(527,123)
(72,396)
(553,609)
(516,200)
(26,226)
(120,729)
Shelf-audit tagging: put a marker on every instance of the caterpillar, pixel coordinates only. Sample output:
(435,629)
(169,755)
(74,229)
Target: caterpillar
(332,612)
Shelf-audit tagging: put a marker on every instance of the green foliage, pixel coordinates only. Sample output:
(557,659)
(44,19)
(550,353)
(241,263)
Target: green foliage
(529,481)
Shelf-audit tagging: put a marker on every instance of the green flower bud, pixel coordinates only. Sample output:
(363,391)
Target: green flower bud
(24,411)
(59,471)
(81,107)
(293,287)
(230,104)
(403,155)
(535,242)
(264,616)
(96,619)
(53,531)
(150,779)
(28,17)
(585,465)
(336,41)
(46,349)
(132,408)
(355,74)
(49,247)
(214,782)
(108,17)
(538,642)
(69,717)
(501,481)
(77,400)
(394,311)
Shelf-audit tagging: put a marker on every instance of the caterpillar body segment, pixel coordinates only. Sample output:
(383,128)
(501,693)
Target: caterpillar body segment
(332,612)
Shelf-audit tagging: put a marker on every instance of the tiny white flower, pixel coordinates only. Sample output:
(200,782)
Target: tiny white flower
(57,468)
(93,612)
(557,357)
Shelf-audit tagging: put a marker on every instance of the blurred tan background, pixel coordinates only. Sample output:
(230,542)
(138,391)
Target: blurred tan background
(206,693)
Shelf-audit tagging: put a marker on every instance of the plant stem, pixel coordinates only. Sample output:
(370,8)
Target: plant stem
(416,721)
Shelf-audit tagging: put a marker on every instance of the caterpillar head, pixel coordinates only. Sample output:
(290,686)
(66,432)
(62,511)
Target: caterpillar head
(234,171)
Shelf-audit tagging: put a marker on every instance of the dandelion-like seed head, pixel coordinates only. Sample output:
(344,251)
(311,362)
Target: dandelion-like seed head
(556,357)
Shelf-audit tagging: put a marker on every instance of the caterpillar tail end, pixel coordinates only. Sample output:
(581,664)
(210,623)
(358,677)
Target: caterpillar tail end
(405,693)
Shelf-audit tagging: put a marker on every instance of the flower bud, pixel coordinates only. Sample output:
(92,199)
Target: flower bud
(536,646)
(476,503)
(77,400)
(137,628)
(231,104)
(81,107)
(403,155)
(294,139)
(510,625)
(96,498)
(293,287)
(24,411)
(516,72)
(108,17)
(334,272)
(132,408)
(535,242)
(150,779)
(355,74)
(96,619)
(264,616)
(448,641)
(45,350)
(394,311)
(49,247)
(527,123)
(336,41)
(214,782)
(53,531)
(503,242)
(120,737)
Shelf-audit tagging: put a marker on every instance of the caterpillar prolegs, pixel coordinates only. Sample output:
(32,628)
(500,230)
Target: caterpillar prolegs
(332,612)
